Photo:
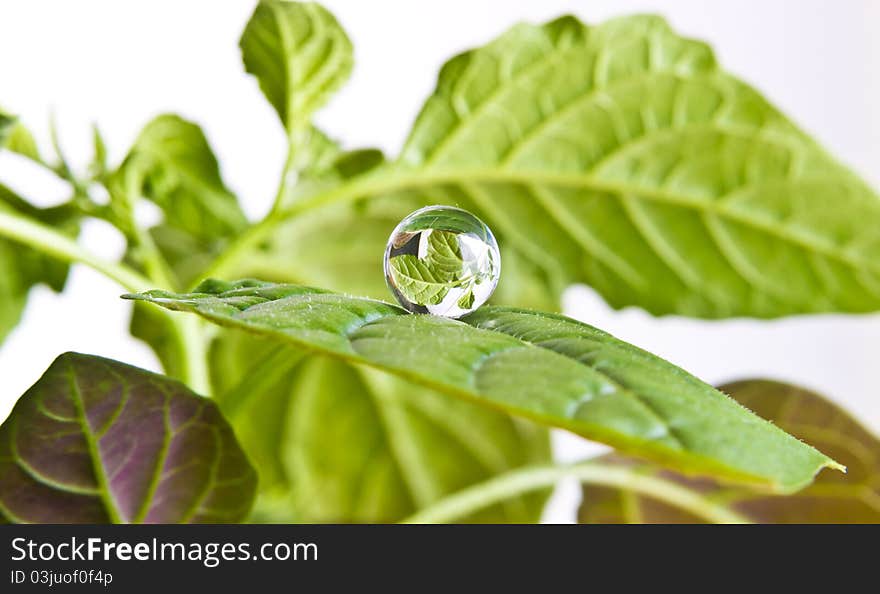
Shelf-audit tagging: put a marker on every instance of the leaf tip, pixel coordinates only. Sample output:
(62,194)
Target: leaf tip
(833,465)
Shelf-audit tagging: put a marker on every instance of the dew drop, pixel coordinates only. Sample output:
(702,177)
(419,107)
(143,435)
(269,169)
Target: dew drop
(443,261)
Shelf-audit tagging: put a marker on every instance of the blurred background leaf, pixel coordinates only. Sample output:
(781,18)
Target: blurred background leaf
(335,442)
(622,156)
(172,165)
(834,498)
(21,267)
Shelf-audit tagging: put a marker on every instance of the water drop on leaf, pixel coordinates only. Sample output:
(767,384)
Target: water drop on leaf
(443,261)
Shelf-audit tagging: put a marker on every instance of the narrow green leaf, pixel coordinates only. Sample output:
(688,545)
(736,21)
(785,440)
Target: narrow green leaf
(97,441)
(622,156)
(98,167)
(834,498)
(333,442)
(544,367)
(300,56)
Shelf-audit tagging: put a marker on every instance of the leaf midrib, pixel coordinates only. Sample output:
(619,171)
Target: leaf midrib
(94,452)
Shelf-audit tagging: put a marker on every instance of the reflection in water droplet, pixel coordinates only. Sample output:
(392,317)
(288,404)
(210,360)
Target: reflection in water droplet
(443,261)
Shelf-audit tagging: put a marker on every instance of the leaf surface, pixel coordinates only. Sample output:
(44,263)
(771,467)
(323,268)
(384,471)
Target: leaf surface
(300,56)
(172,165)
(97,441)
(335,442)
(544,367)
(622,156)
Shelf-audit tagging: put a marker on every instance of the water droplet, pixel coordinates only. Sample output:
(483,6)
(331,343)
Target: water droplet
(443,261)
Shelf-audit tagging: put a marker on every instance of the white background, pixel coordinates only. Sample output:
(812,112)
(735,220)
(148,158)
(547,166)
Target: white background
(120,63)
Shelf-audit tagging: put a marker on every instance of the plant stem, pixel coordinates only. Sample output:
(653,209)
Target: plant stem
(50,242)
(231,257)
(47,240)
(191,333)
(517,482)
(286,172)
(189,330)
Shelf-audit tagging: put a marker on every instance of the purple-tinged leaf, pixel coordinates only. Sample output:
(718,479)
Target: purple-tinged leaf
(97,441)
(834,498)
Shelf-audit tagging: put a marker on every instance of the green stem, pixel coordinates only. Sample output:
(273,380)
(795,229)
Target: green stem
(47,240)
(517,482)
(191,333)
(290,167)
(230,259)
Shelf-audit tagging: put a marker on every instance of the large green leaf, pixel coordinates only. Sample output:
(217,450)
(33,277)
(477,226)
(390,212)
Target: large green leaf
(834,498)
(97,441)
(300,56)
(541,366)
(343,443)
(622,156)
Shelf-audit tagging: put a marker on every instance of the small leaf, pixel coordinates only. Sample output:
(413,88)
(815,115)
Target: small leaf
(834,498)
(300,56)
(427,280)
(466,301)
(97,441)
(548,368)
(21,267)
(334,442)
(16,138)
(98,166)
(172,164)
(6,123)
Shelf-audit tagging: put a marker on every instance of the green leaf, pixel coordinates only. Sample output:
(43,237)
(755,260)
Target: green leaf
(624,157)
(340,246)
(427,280)
(331,246)
(16,138)
(834,498)
(98,167)
(6,123)
(300,56)
(97,441)
(172,165)
(540,366)
(21,267)
(335,442)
